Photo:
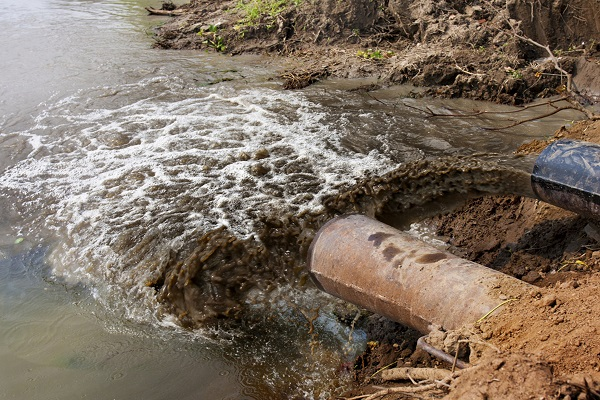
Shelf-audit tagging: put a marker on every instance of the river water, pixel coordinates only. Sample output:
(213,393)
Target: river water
(156,204)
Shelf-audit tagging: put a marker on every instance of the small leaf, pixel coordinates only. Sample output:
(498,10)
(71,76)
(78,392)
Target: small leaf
(19,240)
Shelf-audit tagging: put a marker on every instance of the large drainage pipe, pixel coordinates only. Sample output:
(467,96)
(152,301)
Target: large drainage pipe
(567,174)
(391,273)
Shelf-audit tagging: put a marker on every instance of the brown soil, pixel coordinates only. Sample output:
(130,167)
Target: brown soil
(544,345)
(451,47)
(550,336)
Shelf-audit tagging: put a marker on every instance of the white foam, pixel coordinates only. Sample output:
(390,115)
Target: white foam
(174,166)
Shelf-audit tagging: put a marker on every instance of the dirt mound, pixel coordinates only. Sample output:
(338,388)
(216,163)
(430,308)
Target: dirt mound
(549,337)
(542,345)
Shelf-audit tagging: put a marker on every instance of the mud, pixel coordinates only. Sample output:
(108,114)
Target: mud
(452,48)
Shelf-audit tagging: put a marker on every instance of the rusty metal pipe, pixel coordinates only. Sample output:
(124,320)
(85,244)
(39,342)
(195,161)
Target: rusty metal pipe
(393,274)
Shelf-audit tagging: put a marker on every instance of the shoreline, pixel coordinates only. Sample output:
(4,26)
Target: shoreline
(457,50)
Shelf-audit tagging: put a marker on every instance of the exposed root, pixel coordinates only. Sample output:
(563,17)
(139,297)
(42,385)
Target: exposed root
(303,78)
(436,386)
(419,374)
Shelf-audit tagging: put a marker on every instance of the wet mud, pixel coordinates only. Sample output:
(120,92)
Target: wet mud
(451,48)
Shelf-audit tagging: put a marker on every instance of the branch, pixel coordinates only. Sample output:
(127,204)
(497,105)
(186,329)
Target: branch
(523,121)
(577,106)
(171,13)
(551,55)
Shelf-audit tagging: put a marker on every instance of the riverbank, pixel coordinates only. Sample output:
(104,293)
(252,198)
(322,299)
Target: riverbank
(545,344)
(452,49)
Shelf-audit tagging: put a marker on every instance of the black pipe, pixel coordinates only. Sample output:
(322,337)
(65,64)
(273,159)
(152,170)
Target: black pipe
(567,175)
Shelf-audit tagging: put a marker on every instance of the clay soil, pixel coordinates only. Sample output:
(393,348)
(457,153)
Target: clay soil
(546,344)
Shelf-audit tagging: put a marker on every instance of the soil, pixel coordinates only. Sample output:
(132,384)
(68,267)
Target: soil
(453,48)
(544,345)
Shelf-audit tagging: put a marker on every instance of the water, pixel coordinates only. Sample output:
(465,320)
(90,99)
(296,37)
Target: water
(157,206)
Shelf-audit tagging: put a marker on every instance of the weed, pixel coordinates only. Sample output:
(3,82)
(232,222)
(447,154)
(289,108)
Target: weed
(254,11)
(214,40)
(371,54)
(515,73)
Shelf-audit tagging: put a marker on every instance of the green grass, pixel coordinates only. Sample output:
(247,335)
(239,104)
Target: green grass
(255,11)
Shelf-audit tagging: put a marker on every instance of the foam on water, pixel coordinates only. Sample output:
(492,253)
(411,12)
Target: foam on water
(124,179)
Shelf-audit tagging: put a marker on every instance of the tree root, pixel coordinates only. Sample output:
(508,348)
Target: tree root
(419,374)
(302,79)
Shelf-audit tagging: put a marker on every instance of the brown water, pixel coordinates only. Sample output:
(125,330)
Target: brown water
(157,207)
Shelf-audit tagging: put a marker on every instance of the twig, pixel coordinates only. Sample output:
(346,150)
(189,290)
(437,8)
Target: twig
(375,98)
(464,71)
(494,309)
(551,55)
(421,343)
(524,121)
(482,112)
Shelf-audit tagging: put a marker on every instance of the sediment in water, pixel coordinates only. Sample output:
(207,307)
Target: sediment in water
(222,275)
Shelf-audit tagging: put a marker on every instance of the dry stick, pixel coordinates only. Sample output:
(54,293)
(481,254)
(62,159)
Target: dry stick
(569,86)
(408,389)
(405,373)
(523,121)
(556,110)
(577,106)
(478,113)
(421,343)
(551,55)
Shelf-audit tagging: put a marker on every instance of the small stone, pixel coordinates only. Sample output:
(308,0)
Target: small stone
(548,300)
(497,364)
(259,170)
(531,277)
(535,293)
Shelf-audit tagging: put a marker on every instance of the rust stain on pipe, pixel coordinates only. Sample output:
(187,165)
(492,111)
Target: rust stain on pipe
(391,273)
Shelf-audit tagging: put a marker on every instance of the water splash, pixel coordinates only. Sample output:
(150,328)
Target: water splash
(195,207)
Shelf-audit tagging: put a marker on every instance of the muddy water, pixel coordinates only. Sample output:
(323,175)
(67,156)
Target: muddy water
(157,207)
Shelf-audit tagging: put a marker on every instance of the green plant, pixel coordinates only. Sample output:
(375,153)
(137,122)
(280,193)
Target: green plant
(515,73)
(371,54)
(214,40)
(254,11)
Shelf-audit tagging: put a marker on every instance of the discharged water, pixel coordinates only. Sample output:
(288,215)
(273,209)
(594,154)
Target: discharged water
(157,206)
